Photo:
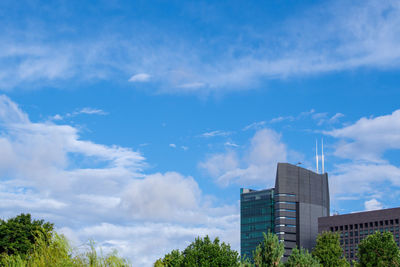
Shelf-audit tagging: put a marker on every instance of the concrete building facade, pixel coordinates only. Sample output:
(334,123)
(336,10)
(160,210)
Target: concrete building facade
(354,227)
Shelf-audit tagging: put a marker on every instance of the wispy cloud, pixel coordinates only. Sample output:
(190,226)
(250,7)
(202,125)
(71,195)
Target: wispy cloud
(91,111)
(254,125)
(281,118)
(86,110)
(349,36)
(215,133)
(231,144)
(140,77)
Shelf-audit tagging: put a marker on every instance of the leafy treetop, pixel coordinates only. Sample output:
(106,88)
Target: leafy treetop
(19,234)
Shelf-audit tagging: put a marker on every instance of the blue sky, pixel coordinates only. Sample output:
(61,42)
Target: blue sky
(135,123)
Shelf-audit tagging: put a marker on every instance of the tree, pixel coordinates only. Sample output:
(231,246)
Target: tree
(301,258)
(175,258)
(379,250)
(58,252)
(26,243)
(18,235)
(202,252)
(269,252)
(328,250)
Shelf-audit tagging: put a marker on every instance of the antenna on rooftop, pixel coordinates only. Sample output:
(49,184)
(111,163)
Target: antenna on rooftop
(322,156)
(316,154)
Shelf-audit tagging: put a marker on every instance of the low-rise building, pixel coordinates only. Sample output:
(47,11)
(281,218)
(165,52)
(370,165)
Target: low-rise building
(354,227)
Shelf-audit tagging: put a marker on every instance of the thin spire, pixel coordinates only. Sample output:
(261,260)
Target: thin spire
(316,154)
(322,156)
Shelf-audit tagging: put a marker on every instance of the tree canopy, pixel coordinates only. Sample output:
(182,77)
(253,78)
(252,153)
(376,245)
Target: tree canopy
(18,235)
(328,250)
(378,250)
(301,258)
(25,242)
(202,252)
(269,252)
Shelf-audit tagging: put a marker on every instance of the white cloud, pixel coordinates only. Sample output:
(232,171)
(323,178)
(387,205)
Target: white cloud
(104,195)
(140,77)
(57,117)
(368,138)
(215,133)
(257,166)
(90,111)
(194,85)
(167,196)
(172,145)
(184,148)
(363,177)
(373,204)
(362,145)
(254,125)
(281,118)
(335,118)
(231,144)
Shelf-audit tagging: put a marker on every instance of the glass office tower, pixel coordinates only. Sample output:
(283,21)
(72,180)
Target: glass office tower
(257,216)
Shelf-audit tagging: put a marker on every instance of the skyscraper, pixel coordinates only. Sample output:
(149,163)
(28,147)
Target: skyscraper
(299,197)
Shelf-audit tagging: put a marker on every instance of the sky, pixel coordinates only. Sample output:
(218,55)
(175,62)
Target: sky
(136,123)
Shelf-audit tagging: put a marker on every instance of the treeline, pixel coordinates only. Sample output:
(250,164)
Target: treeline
(34,243)
(378,249)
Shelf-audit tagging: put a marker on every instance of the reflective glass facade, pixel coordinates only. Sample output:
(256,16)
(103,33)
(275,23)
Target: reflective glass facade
(256,217)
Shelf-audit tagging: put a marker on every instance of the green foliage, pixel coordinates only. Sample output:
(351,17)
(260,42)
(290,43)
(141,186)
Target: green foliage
(269,252)
(245,262)
(328,250)
(58,253)
(202,253)
(175,258)
(378,250)
(301,258)
(18,235)
(35,244)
